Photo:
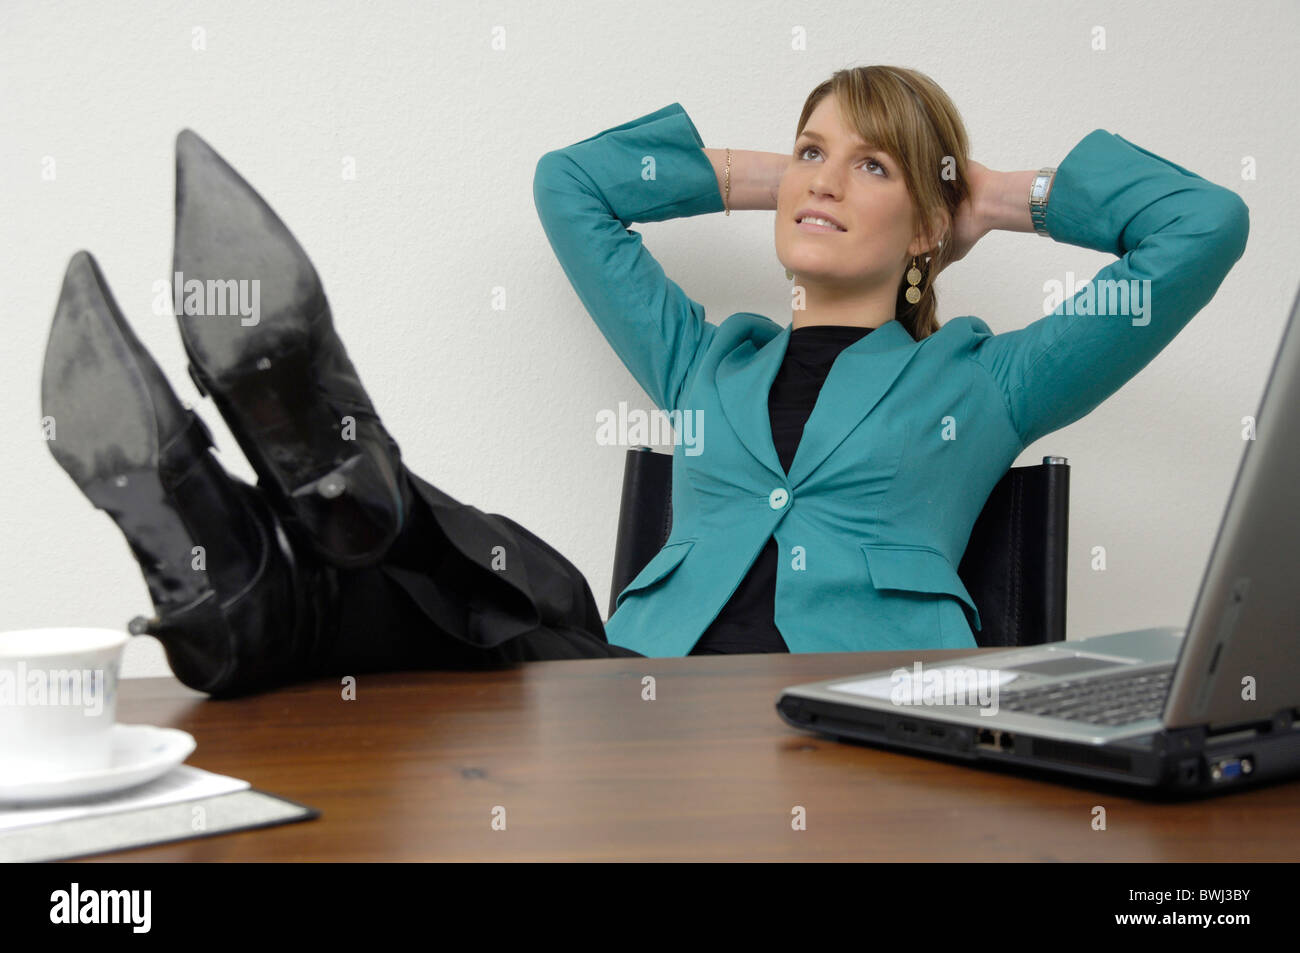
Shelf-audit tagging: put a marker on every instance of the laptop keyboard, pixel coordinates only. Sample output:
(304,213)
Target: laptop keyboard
(1118,699)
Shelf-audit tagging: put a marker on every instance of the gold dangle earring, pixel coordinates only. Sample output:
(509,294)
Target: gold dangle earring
(789,275)
(913,294)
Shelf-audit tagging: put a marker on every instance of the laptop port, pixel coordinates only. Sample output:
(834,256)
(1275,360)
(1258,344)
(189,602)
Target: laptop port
(1006,742)
(1230,769)
(987,738)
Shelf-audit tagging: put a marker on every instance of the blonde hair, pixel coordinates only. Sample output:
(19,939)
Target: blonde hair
(906,114)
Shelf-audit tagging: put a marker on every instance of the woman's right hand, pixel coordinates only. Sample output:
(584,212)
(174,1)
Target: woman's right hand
(755,177)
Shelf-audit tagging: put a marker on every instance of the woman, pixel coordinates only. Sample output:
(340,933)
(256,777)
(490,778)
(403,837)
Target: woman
(828,516)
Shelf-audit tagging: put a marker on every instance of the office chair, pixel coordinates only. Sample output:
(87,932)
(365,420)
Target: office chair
(1014,566)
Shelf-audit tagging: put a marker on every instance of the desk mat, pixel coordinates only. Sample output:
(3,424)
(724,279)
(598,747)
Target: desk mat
(146,827)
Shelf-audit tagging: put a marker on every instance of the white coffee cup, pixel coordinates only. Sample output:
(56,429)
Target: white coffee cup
(58,701)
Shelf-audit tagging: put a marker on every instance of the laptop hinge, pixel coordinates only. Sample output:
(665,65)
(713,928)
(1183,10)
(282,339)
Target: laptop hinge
(1177,741)
(1282,720)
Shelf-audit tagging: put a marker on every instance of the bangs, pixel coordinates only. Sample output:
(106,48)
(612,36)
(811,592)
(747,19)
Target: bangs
(867,110)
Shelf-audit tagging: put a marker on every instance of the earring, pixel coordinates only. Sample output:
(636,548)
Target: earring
(789,275)
(913,294)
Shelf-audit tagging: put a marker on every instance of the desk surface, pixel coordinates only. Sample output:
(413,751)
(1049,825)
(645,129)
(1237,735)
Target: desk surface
(413,769)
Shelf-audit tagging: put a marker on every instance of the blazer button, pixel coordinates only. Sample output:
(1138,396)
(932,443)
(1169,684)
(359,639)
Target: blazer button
(778,498)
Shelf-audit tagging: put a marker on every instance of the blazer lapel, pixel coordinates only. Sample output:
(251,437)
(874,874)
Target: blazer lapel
(857,380)
(744,379)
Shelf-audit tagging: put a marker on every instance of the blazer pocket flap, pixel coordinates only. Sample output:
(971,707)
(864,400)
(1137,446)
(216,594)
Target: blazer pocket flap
(917,569)
(660,565)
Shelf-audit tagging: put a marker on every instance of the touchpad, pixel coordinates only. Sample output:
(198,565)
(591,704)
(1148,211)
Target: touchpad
(1071,665)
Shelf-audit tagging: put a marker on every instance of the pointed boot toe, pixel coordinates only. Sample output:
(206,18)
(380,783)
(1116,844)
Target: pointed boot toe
(260,337)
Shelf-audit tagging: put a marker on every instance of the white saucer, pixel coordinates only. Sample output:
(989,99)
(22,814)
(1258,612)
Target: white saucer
(140,753)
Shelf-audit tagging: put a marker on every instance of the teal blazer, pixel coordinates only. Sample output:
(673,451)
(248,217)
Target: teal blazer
(907,438)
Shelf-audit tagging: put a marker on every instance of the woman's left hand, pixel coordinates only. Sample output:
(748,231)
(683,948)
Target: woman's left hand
(969,226)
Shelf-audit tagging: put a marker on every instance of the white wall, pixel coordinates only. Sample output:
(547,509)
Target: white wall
(498,408)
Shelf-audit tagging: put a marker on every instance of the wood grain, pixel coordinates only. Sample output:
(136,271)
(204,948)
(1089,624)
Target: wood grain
(587,770)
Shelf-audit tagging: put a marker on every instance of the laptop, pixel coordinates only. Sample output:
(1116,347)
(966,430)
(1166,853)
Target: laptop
(1212,706)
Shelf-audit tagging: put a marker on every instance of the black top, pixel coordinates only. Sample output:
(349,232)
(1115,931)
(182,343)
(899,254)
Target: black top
(746,622)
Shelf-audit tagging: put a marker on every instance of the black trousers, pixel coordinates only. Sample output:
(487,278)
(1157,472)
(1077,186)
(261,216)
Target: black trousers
(462,589)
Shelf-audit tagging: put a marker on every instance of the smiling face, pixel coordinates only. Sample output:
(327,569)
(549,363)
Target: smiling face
(858,186)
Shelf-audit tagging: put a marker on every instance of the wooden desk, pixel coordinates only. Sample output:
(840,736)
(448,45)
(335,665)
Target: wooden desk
(587,770)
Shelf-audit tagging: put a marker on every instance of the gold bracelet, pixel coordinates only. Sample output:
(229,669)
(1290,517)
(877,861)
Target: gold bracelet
(726,193)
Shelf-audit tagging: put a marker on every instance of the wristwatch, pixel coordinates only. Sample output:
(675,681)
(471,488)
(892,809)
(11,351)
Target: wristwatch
(1038,192)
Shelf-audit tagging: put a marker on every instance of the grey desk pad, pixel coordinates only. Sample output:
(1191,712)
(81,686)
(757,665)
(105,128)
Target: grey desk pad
(144,827)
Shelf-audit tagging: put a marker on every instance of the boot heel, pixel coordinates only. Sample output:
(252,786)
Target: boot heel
(301,449)
(276,401)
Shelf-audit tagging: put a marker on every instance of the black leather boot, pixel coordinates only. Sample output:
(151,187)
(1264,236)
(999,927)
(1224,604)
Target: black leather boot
(237,610)
(261,342)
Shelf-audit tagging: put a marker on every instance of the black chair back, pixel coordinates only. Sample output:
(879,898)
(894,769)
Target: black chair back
(1014,566)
